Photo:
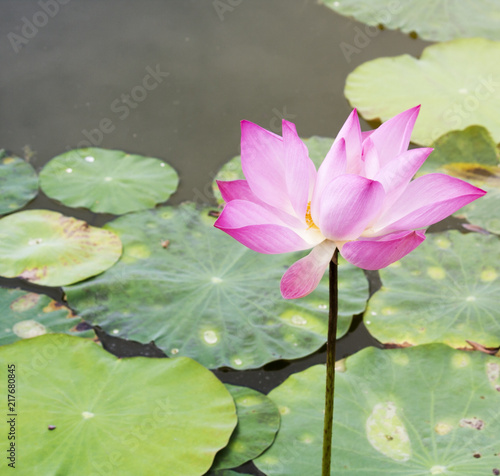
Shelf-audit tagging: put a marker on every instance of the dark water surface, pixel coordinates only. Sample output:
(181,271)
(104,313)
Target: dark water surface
(172,79)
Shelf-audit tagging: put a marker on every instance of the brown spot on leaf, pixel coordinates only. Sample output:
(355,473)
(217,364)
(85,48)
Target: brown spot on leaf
(23,303)
(496,471)
(474,423)
(81,327)
(488,173)
(480,171)
(30,274)
(52,306)
(165,243)
(392,345)
(57,306)
(477,455)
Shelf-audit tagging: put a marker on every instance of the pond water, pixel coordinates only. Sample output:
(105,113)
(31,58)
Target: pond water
(172,80)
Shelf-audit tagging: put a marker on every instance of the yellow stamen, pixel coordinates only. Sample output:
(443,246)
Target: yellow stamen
(309,219)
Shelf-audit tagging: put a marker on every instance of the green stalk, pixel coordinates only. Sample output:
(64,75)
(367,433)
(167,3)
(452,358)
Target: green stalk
(330,365)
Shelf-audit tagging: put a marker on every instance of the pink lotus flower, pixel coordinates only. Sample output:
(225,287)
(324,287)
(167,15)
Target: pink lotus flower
(361,200)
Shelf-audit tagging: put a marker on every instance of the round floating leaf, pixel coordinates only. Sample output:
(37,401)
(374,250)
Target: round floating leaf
(24,315)
(432,20)
(318,148)
(48,248)
(444,291)
(455,82)
(108,181)
(18,183)
(424,410)
(197,292)
(83,411)
(258,422)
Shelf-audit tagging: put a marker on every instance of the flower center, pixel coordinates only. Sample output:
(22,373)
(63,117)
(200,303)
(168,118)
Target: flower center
(309,220)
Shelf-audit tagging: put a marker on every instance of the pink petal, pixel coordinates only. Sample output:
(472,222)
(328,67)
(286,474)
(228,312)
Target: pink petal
(238,213)
(298,169)
(427,200)
(239,190)
(263,165)
(377,253)
(351,133)
(332,166)
(258,228)
(347,206)
(304,275)
(366,134)
(370,158)
(393,136)
(396,175)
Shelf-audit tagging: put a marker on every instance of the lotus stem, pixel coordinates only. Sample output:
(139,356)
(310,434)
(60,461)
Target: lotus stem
(330,365)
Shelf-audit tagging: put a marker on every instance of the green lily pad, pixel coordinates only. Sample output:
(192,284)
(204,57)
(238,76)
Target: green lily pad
(83,411)
(197,292)
(48,248)
(432,20)
(258,422)
(444,291)
(455,82)
(108,181)
(318,147)
(24,315)
(424,410)
(18,183)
